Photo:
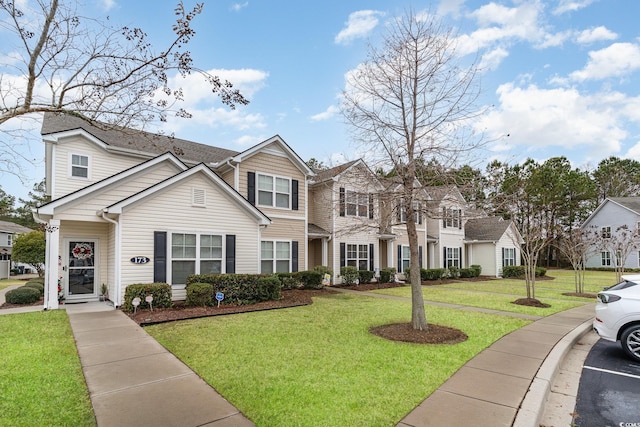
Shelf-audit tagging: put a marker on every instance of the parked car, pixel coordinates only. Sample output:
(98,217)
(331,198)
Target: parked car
(618,314)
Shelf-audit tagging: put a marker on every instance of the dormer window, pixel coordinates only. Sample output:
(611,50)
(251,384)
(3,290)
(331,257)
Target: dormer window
(79,166)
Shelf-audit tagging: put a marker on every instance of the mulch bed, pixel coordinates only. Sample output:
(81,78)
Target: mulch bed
(435,334)
(531,302)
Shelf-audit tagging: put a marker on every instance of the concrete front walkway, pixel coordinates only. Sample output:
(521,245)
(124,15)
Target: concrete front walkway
(134,381)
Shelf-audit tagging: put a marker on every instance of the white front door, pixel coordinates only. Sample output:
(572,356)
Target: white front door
(81,269)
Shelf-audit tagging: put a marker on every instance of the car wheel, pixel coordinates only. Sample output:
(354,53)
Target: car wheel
(630,341)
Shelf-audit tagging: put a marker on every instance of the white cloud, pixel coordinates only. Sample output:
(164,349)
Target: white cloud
(595,34)
(450,7)
(107,5)
(571,6)
(565,119)
(248,140)
(327,114)
(616,60)
(491,60)
(237,7)
(359,25)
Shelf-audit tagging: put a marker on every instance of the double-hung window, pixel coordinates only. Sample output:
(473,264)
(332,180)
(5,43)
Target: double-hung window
(508,257)
(358,256)
(9,239)
(453,257)
(193,253)
(606,258)
(606,232)
(79,166)
(357,204)
(406,257)
(275,257)
(274,191)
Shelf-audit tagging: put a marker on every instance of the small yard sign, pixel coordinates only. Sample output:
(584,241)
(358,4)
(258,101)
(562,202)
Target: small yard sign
(219,297)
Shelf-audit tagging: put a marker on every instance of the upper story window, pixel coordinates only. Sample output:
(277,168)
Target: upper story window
(606,232)
(79,166)
(274,191)
(353,203)
(9,239)
(452,217)
(417,216)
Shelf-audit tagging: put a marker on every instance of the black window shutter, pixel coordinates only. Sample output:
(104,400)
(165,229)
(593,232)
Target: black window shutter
(419,214)
(399,212)
(230,256)
(444,217)
(371,207)
(343,201)
(371,256)
(420,255)
(460,257)
(503,260)
(294,195)
(343,255)
(294,256)
(160,256)
(399,258)
(251,187)
(444,256)
(460,218)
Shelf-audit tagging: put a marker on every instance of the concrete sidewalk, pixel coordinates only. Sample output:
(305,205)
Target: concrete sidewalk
(508,383)
(134,381)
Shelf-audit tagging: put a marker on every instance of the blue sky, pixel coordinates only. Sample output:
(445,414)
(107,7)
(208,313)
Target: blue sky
(561,77)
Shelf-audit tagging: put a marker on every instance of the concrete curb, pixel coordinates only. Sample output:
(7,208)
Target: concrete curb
(533,404)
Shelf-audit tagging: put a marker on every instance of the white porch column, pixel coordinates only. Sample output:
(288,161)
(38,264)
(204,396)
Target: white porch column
(325,251)
(52,253)
(390,253)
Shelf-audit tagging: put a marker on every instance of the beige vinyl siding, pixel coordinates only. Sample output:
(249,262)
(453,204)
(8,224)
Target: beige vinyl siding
(90,231)
(101,164)
(277,166)
(288,229)
(228,177)
(85,208)
(488,255)
(171,211)
(322,206)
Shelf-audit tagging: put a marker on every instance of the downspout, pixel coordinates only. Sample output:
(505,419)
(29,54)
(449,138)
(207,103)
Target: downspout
(236,178)
(116,272)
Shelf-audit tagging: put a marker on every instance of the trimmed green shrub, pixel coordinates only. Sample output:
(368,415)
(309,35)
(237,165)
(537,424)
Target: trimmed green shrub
(349,274)
(199,294)
(477,269)
(432,273)
(35,285)
(37,280)
(387,274)
(467,273)
(453,272)
(541,271)
(311,279)
(518,271)
(323,269)
(241,288)
(22,295)
(365,276)
(289,281)
(161,295)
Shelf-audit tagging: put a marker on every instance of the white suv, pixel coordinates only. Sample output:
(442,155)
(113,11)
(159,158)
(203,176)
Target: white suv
(618,314)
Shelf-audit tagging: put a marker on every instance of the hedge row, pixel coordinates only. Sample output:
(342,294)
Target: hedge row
(22,295)
(517,271)
(240,288)
(427,274)
(161,293)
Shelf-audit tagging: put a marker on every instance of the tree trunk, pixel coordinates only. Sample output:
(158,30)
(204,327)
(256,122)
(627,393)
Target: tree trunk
(418,316)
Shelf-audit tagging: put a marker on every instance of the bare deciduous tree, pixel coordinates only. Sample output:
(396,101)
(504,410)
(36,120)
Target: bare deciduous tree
(576,245)
(409,101)
(53,59)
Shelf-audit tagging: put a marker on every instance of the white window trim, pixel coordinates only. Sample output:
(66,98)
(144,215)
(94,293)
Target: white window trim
(453,251)
(275,258)
(197,259)
(403,259)
(70,171)
(273,190)
(353,198)
(605,230)
(507,253)
(357,258)
(605,256)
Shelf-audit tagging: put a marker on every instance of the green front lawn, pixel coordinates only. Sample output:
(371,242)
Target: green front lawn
(5,283)
(41,380)
(319,366)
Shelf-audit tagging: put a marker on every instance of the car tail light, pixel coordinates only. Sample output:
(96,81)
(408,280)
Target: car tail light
(607,298)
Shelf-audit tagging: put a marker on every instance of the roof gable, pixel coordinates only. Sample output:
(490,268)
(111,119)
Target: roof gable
(337,172)
(49,208)
(118,207)
(488,229)
(631,204)
(274,145)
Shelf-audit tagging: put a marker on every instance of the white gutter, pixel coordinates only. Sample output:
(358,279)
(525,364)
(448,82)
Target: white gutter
(116,272)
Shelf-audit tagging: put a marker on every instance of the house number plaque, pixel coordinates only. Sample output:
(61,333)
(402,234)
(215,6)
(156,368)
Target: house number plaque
(140,260)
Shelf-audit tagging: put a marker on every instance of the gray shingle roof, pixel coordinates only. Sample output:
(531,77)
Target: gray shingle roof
(325,174)
(317,230)
(13,228)
(485,229)
(632,203)
(144,142)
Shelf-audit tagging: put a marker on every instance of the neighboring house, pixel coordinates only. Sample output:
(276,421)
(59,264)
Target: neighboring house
(492,243)
(393,225)
(133,207)
(446,220)
(8,232)
(344,219)
(611,214)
